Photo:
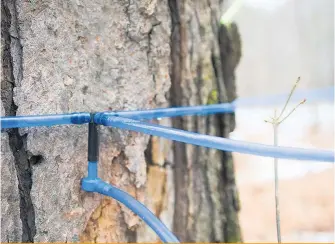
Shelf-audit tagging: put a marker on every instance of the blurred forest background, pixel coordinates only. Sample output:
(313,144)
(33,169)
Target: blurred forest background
(284,39)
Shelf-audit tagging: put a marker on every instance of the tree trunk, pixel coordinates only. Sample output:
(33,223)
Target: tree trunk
(67,56)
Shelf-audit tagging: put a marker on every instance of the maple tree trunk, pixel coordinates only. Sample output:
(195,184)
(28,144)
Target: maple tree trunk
(61,57)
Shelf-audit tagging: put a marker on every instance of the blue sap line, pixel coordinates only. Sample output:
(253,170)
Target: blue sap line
(174,112)
(44,120)
(324,94)
(92,171)
(81,118)
(99,186)
(214,142)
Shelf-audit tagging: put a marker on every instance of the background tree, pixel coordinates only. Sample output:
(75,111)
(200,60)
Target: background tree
(66,56)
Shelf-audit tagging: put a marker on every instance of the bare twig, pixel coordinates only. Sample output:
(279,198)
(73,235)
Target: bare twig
(302,102)
(275,143)
(276,121)
(289,97)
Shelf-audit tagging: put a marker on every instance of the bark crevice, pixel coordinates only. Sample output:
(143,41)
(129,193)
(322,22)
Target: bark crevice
(206,200)
(180,219)
(11,76)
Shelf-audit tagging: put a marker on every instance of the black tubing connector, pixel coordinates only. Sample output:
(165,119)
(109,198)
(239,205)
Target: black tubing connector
(93,141)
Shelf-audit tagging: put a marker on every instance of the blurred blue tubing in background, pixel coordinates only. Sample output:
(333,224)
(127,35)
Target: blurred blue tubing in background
(325,94)
(44,120)
(212,141)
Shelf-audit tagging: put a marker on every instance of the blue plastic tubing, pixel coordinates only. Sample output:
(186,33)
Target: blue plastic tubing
(97,185)
(44,120)
(314,95)
(174,112)
(81,118)
(92,169)
(214,142)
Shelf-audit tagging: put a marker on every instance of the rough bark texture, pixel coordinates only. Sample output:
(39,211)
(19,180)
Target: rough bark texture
(66,56)
(16,206)
(11,227)
(203,60)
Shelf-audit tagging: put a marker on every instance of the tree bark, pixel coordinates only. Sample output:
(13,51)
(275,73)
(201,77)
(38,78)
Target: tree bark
(67,56)
(204,56)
